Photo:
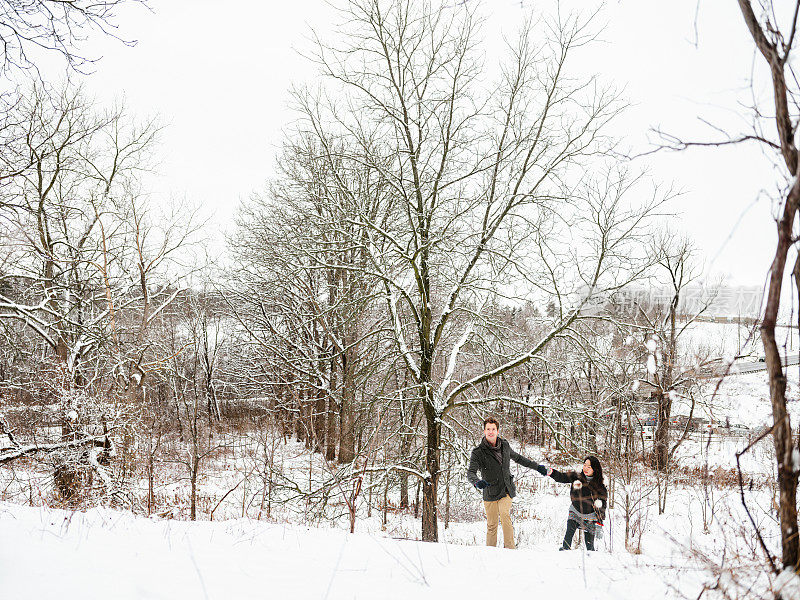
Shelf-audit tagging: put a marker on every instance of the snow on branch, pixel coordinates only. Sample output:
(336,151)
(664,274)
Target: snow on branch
(398,468)
(451,365)
(391,300)
(164,304)
(27,314)
(9,454)
(449,401)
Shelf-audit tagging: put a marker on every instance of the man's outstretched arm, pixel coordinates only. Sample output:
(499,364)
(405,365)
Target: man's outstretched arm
(525,462)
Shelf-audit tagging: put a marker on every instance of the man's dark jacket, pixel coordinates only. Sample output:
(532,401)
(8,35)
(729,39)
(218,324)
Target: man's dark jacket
(496,473)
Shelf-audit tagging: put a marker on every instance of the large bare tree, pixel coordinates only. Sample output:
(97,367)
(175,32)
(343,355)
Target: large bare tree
(775,43)
(493,181)
(774,117)
(674,374)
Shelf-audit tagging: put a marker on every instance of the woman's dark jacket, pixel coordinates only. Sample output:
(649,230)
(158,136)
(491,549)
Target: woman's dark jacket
(496,472)
(583,498)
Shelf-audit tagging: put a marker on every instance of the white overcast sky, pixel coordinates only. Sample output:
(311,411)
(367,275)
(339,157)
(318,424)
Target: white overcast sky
(218,75)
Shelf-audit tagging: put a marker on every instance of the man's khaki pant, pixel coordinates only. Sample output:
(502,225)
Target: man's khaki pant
(499,510)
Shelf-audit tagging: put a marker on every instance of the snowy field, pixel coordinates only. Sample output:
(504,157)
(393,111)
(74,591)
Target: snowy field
(104,554)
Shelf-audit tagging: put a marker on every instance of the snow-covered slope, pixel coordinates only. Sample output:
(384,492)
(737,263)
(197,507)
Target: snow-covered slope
(48,553)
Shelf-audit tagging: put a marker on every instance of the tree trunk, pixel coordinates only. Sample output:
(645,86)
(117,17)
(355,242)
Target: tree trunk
(406,437)
(385,516)
(347,439)
(430,530)
(319,420)
(151,496)
(403,490)
(661,436)
(330,438)
(782,432)
(297,401)
(447,493)
(193,509)
(416,499)
(524,416)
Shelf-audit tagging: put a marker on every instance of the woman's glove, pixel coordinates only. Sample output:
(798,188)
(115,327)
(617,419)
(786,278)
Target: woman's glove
(599,510)
(481,484)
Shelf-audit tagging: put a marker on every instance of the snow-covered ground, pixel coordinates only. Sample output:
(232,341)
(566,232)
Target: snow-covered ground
(105,554)
(731,339)
(737,399)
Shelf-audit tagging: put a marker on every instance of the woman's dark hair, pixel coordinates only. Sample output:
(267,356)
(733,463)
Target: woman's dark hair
(597,470)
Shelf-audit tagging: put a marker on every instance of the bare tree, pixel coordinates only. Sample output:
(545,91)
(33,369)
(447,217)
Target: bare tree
(29,28)
(90,266)
(773,29)
(487,185)
(775,47)
(301,290)
(86,247)
(675,372)
(193,340)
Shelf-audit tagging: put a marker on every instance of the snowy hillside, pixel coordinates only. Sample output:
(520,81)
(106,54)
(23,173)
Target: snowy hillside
(106,554)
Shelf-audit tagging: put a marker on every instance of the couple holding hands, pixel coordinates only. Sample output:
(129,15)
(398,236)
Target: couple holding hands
(492,458)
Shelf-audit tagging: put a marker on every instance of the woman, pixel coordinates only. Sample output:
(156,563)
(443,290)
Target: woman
(588,495)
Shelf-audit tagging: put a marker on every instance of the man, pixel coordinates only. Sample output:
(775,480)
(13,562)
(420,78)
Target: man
(492,456)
